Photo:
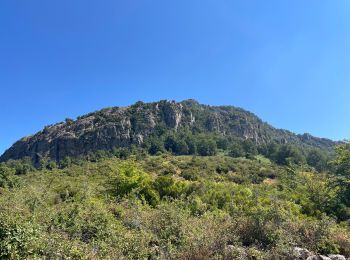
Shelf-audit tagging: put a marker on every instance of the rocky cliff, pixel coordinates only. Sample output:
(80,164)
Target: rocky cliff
(124,126)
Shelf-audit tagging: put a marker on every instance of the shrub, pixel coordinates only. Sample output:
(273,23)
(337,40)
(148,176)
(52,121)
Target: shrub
(130,179)
(8,179)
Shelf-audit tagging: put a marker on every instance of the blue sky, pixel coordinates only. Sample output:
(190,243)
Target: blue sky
(286,61)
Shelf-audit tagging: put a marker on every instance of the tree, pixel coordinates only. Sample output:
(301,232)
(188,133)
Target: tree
(272,150)
(181,147)
(249,147)
(69,121)
(22,166)
(206,147)
(222,142)
(191,144)
(121,152)
(176,145)
(66,162)
(236,150)
(317,159)
(342,161)
(170,143)
(8,178)
(289,154)
(155,146)
(342,180)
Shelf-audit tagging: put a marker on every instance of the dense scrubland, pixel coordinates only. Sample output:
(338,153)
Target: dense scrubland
(242,202)
(169,180)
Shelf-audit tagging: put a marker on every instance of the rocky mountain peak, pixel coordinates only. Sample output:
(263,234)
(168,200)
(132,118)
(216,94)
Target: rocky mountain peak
(125,126)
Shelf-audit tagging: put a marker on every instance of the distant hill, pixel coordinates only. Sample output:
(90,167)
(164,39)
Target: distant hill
(133,125)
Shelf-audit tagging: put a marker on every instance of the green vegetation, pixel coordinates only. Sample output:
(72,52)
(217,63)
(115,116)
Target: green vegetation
(181,128)
(184,142)
(190,197)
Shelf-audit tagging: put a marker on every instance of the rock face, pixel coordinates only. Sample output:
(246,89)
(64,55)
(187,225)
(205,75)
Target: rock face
(122,127)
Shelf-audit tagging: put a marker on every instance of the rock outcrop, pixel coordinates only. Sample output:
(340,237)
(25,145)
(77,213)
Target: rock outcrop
(125,126)
(303,253)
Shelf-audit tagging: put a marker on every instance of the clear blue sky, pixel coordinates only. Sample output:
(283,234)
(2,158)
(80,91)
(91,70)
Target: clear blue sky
(287,61)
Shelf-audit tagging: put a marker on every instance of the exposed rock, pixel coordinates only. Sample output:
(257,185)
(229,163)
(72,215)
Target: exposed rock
(301,253)
(123,127)
(313,257)
(318,257)
(337,257)
(236,252)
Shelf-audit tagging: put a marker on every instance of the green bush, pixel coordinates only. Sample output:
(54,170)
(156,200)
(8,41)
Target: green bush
(172,207)
(8,178)
(130,179)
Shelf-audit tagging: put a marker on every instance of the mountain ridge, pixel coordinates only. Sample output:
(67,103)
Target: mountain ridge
(132,125)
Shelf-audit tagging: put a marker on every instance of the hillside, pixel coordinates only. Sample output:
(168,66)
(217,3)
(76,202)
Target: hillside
(170,207)
(136,124)
(169,180)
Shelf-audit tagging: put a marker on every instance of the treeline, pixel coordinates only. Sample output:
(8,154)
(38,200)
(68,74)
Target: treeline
(186,143)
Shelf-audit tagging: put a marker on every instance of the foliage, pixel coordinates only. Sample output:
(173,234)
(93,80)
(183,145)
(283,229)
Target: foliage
(206,147)
(317,159)
(236,150)
(342,179)
(128,205)
(131,179)
(8,179)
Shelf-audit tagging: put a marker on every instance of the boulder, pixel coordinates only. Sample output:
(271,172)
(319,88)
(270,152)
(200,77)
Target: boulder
(301,253)
(337,257)
(313,257)
(236,252)
(318,257)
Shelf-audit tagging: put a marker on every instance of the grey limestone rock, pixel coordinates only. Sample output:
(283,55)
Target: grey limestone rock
(126,126)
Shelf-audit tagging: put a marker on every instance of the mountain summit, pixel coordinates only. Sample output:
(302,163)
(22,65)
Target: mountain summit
(132,125)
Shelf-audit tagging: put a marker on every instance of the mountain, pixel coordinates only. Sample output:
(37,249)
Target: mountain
(133,125)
